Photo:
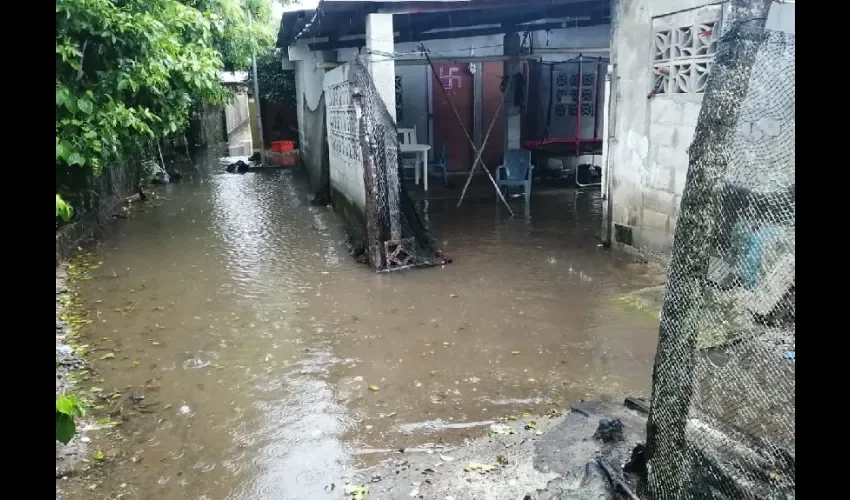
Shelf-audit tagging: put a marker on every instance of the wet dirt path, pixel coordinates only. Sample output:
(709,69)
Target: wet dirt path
(271,365)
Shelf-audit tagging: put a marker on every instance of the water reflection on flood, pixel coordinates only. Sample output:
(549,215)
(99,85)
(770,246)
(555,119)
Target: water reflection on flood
(258,338)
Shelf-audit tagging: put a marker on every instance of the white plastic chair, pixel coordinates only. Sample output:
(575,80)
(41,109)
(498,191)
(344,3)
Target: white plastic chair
(407,136)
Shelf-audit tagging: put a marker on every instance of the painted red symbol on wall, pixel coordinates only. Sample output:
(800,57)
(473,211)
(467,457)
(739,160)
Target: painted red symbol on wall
(452,79)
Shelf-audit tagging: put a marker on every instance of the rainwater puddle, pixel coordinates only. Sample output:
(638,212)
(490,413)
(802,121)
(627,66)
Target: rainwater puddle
(273,365)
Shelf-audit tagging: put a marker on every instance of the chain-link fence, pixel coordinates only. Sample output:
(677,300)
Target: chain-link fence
(396,235)
(723,408)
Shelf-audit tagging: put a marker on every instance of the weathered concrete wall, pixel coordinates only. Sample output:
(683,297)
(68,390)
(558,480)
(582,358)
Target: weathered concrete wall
(309,79)
(650,136)
(348,189)
(236,111)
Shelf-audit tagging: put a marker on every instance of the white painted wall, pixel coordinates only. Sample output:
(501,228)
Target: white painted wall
(309,79)
(346,158)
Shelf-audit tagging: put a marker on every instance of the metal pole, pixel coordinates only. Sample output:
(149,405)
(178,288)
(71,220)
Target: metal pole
(257,105)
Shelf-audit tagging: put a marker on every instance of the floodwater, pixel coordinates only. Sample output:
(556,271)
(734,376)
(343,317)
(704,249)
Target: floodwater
(272,365)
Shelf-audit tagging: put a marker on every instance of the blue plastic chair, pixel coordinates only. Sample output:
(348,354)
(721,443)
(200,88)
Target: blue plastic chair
(440,163)
(516,171)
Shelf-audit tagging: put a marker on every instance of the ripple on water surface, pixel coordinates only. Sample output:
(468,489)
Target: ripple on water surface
(239,302)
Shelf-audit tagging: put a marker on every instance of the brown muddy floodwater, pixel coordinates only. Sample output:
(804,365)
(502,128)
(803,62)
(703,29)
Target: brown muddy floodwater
(235,307)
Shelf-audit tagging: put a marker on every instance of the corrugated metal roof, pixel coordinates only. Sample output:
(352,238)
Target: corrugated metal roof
(335,19)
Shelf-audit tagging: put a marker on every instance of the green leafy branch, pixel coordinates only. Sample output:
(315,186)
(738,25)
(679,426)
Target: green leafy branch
(63,210)
(67,408)
(129,73)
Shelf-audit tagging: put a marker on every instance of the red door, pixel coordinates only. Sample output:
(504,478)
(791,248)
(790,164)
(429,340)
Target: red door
(458,84)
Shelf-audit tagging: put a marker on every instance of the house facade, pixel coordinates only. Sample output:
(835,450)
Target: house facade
(661,55)
(471,44)
(654,56)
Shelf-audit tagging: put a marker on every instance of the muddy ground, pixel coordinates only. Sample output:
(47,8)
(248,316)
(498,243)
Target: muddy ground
(531,456)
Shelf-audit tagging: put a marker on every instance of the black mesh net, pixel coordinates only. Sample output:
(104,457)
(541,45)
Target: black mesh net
(397,237)
(723,407)
(567,103)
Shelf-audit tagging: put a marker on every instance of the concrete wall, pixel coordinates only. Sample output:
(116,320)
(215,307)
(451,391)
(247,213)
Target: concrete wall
(309,79)
(348,190)
(648,157)
(236,111)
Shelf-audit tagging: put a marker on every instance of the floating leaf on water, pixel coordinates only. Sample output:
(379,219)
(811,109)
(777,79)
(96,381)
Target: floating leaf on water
(96,389)
(531,425)
(374,388)
(511,417)
(356,492)
(98,455)
(496,429)
(526,415)
(515,353)
(501,460)
(134,364)
(482,468)
(390,415)
(166,407)
(446,458)
(108,355)
(433,372)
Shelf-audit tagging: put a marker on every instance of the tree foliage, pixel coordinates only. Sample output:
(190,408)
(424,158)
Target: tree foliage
(129,71)
(276,84)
